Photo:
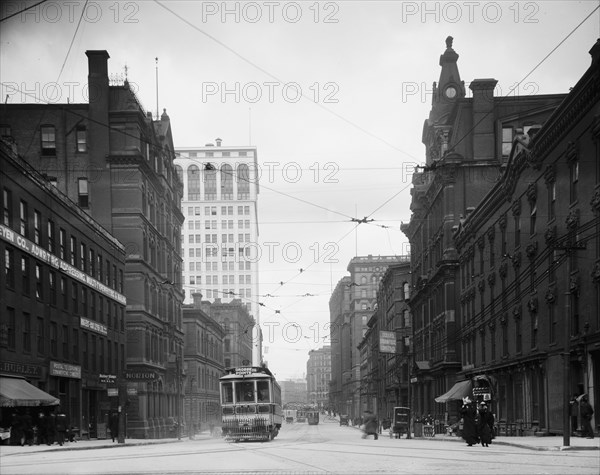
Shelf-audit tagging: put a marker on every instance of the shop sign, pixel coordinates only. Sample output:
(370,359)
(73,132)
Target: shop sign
(132,391)
(20,368)
(107,378)
(140,375)
(112,391)
(93,326)
(65,370)
(387,342)
(413,380)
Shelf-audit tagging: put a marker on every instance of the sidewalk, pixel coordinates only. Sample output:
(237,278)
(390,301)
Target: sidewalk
(532,442)
(6,450)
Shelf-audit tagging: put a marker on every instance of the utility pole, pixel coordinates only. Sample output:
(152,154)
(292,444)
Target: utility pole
(568,247)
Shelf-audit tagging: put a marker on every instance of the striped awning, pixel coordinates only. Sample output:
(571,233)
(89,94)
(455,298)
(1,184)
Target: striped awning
(17,392)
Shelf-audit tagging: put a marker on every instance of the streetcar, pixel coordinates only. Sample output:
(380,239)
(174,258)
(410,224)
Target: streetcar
(312,417)
(250,404)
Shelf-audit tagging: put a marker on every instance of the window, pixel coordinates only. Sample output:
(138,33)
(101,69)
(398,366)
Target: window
(23,219)
(574,175)
(82,193)
(551,200)
(26,332)
(81,139)
(40,335)
(37,226)
(6,207)
(243,182)
(82,257)
(226,182)
(52,286)
(73,250)
(39,290)
(51,236)
(11,329)
(75,349)
(9,268)
(25,275)
(48,141)
(507,139)
(193,175)
(62,241)
(210,185)
(53,339)
(65,342)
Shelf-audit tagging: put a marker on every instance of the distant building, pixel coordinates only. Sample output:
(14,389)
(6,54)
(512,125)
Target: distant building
(339,312)
(351,306)
(203,354)
(293,392)
(318,377)
(62,314)
(220,235)
(386,348)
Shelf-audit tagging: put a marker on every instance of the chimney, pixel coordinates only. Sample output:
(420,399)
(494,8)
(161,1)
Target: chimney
(99,104)
(218,142)
(197,296)
(483,118)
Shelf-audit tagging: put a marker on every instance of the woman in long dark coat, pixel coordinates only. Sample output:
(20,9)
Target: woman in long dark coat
(485,425)
(469,415)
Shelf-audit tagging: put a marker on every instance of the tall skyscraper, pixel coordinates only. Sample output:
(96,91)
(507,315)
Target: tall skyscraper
(220,234)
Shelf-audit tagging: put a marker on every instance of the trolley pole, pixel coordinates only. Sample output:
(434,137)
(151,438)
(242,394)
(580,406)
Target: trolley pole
(568,247)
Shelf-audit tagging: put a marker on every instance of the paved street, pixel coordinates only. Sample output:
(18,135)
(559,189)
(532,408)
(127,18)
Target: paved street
(300,448)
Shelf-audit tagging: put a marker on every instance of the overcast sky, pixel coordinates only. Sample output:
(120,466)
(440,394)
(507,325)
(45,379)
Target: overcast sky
(332,94)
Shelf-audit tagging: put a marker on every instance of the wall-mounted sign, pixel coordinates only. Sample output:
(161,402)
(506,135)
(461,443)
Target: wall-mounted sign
(112,391)
(20,368)
(387,342)
(107,378)
(140,375)
(65,370)
(93,326)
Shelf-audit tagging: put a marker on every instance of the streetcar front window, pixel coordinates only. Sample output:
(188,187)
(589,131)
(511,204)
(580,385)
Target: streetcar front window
(262,388)
(244,391)
(227,393)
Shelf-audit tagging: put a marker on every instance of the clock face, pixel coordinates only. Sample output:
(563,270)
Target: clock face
(450,92)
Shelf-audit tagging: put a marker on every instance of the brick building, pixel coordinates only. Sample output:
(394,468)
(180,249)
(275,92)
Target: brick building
(467,142)
(529,257)
(62,316)
(112,159)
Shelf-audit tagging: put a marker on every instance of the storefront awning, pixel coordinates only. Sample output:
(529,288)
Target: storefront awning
(458,391)
(15,392)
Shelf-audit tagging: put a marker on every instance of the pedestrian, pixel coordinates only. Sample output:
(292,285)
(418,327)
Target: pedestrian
(573,411)
(469,416)
(28,427)
(586,411)
(114,426)
(370,425)
(485,425)
(60,426)
(50,428)
(42,428)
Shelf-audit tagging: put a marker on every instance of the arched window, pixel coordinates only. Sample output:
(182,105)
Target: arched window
(179,172)
(406,289)
(210,184)
(243,182)
(226,182)
(193,173)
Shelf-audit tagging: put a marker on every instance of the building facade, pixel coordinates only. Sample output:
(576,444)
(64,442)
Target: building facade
(467,142)
(220,235)
(204,365)
(62,321)
(116,162)
(293,393)
(339,312)
(351,306)
(529,257)
(318,377)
